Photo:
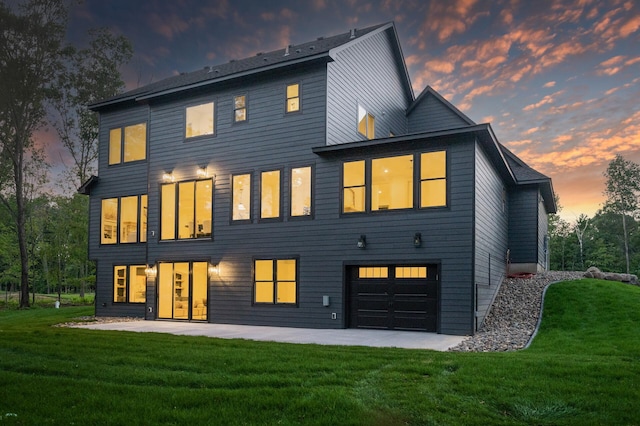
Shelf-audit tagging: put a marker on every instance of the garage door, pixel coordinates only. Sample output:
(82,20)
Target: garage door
(395,297)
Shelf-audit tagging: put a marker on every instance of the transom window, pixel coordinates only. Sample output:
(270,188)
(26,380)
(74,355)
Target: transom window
(366,123)
(123,220)
(128,144)
(275,281)
(270,194)
(186,210)
(129,284)
(239,108)
(199,120)
(241,188)
(293,98)
(301,191)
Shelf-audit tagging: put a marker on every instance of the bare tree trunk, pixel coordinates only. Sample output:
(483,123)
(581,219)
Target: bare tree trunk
(626,241)
(22,232)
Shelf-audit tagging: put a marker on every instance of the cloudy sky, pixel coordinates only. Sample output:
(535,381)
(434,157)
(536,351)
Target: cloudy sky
(559,80)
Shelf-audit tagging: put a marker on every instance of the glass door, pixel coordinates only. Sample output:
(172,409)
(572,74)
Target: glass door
(182,290)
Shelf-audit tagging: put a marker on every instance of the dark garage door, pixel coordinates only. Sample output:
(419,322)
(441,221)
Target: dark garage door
(395,297)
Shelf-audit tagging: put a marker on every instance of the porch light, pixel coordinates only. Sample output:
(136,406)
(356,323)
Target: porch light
(168,177)
(151,271)
(214,270)
(202,172)
(417,239)
(362,241)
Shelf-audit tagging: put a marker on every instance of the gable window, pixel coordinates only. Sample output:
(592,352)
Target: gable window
(293,98)
(392,183)
(128,144)
(239,108)
(186,210)
(270,194)
(199,120)
(353,187)
(366,123)
(129,284)
(433,179)
(124,220)
(301,191)
(241,196)
(275,281)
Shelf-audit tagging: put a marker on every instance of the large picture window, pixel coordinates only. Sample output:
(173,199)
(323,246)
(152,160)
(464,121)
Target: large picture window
(199,120)
(129,284)
(124,220)
(275,281)
(270,194)
(241,188)
(301,191)
(392,183)
(186,210)
(128,144)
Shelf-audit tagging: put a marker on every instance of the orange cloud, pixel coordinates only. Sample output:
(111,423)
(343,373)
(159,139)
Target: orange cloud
(168,26)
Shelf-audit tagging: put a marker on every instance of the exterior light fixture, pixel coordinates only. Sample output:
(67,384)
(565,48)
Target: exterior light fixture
(151,271)
(202,172)
(214,270)
(362,241)
(417,239)
(168,177)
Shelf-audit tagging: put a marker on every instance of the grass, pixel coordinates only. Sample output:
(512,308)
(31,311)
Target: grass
(583,368)
(11,300)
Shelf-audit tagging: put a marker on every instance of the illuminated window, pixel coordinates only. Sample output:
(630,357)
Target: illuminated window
(270,194)
(301,191)
(373,272)
(199,120)
(275,281)
(366,123)
(353,184)
(433,179)
(411,272)
(123,220)
(131,147)
(241,209)
(182,290)
(392,183)
(191,204)
(129,284)
(239,108)
(293,97)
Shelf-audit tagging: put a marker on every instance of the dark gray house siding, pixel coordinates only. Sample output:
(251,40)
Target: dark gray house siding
(430,114)
(543,235)
(523,230)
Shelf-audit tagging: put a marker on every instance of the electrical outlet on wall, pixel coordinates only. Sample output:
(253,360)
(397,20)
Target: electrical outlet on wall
(334,315)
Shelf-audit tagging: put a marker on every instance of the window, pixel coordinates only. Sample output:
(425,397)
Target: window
(124,220)
(366,123)
(199,120)
(373,272)
(275,281)
(241,209)
(131,147)
(301,191)
(353,184)
(186,210)
(293,98)
(270,194)
(239,108)
(392,183)
(411,272)
(433,179)
(129,284)
(182,290)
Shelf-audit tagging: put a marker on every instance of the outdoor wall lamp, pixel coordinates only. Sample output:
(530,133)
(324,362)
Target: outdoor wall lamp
(151,271)
(168,177)
(202,172)
(362,241)
(214,270)
(417,239)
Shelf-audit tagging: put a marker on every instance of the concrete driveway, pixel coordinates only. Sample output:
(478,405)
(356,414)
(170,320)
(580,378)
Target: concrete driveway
(341,337)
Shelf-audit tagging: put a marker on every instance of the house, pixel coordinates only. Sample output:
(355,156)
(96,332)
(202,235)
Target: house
(308,187)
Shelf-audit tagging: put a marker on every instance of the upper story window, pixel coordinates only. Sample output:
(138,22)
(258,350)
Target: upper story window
(241,196)
(239,108)
(301,191)
(199,120)
(128,144)
(270,194)
(186,210)
(129,284)
(293,98)
(275,281)
(366,123)
(124,220)
(387,183)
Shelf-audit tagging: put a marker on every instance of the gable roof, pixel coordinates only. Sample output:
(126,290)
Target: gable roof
(429,91)
(320,49)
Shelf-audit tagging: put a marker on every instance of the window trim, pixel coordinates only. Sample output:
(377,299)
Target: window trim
(122,139)
(127,285)
(286,98)
(275,302)
(281,214)
(186,138)
(312,191)
(251,198)
(177,212)
(118,219)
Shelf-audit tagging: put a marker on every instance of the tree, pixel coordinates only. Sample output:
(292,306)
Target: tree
(622,189)
(580,227)
(31,47)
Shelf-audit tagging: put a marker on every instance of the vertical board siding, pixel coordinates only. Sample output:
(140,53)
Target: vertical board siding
(491,238)
(431,115)
(365,73)
(523,225)
(543,230)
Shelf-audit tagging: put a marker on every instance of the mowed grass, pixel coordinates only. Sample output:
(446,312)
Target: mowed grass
(583,368)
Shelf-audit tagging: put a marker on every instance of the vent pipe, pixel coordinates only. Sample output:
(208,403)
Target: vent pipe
(286,50)
(353,33)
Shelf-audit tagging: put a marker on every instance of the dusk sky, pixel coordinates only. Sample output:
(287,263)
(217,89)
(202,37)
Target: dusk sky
(559,81)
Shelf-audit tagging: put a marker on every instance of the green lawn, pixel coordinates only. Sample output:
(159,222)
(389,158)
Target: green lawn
(583,368)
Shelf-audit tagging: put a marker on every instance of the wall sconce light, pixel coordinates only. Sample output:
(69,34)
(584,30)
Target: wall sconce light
(214,270)
(168,177)
(362,241)
(151,271)
(417,239)
(202,172)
